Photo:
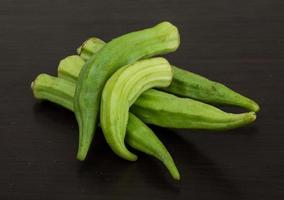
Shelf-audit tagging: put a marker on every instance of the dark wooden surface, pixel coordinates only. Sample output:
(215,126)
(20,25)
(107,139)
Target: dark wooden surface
(239,43)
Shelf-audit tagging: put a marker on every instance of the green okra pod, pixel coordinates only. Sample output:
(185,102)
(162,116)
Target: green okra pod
(160,39)
(121,91)
(188,84)
(167,110)
(139,136)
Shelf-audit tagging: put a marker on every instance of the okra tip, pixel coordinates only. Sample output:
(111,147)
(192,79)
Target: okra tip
(252,116)
(173,169)
(81,154)
(255,107)
(249,117)
(176,176)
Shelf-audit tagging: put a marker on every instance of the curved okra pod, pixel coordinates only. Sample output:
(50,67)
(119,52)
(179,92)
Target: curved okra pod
(160,39)
(139,136)
(121,91)
(167,110)
(188,84)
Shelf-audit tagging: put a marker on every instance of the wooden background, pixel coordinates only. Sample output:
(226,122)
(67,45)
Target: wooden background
(239,43)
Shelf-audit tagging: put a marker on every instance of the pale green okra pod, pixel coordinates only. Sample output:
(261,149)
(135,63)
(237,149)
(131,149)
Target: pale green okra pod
(121,91)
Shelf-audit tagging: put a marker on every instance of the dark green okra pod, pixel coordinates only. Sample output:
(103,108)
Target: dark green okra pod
(188,84)
(160,39)
(139,136)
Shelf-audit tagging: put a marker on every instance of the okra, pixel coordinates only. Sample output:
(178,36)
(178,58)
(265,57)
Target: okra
(167,110)
(160,39)
(139,136)
(121,91)
(188,84)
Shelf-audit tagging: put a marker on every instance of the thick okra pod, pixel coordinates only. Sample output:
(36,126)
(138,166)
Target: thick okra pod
(160,39)
(167,110)
(121,91)
(139,136)
(188,84)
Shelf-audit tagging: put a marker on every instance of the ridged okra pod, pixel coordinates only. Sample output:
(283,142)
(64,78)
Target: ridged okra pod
(160,39)
(188,84)
(167,110)
(139,136)
(121,91)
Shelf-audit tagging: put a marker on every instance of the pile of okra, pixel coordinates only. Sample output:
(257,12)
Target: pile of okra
(122,86)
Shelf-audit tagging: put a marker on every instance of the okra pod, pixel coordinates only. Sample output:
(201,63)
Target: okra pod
(121,91)
(167,110)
